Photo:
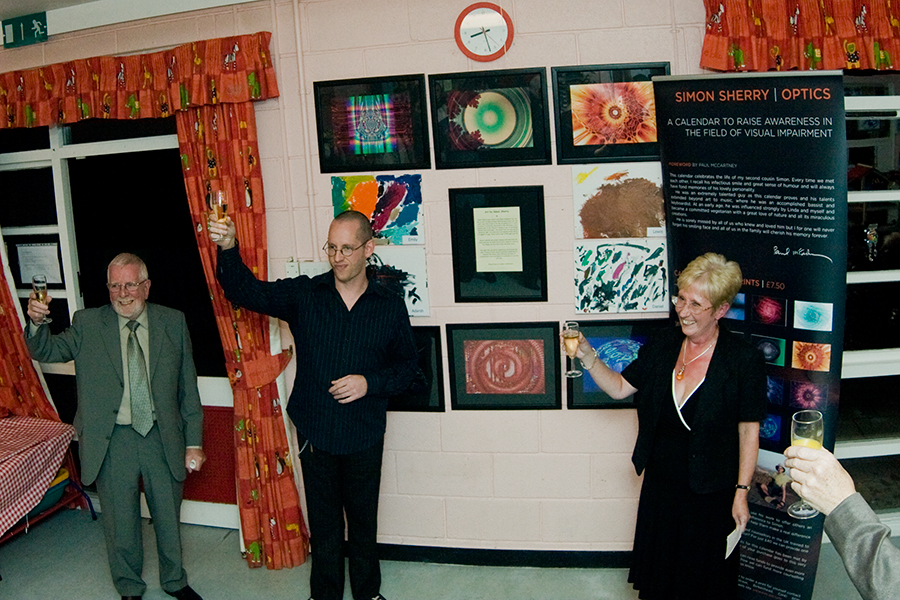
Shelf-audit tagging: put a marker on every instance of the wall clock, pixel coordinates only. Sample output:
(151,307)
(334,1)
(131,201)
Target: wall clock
(484,31)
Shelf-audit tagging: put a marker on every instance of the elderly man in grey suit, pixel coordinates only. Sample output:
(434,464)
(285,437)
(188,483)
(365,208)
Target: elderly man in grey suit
(138,417)
(862,540)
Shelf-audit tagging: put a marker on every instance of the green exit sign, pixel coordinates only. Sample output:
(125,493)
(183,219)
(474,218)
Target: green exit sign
(22,31)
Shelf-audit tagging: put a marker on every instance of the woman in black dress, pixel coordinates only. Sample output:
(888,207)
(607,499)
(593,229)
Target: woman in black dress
(700,394)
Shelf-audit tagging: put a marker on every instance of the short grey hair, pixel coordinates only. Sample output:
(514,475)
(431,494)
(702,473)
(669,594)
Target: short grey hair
(127,259)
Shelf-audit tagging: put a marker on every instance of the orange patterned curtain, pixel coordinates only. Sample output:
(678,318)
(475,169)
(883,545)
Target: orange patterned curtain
(21,392)
(209,86)
(781,35)
(219,151)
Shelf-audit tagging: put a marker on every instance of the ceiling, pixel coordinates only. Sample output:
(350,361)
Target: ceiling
(18,8)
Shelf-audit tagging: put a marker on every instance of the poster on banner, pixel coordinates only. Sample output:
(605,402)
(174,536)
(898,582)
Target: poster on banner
(755,168)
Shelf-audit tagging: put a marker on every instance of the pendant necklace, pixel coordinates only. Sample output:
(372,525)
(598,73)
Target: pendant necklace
(680,374)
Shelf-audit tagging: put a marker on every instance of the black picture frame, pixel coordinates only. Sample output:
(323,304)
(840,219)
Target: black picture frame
(528,284)
(624,85)
(617,343)
(426,395)
(512,103)
(395,103)
(476,350)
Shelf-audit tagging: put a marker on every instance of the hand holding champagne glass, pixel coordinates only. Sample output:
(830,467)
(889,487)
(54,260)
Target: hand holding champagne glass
(807,429)
(571,338)
(218,204)
(39,285)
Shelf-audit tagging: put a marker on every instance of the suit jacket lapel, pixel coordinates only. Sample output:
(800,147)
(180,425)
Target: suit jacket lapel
(156,329)
(112,341)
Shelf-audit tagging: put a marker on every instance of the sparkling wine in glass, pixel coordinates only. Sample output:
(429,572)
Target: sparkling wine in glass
(39,285)
(807,429)
(219,202)
(571,339)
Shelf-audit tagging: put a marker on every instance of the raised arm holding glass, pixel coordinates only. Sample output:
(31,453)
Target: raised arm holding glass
(354,350)
(700,393)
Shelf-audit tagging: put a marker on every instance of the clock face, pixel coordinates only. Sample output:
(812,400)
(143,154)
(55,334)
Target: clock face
(484,31)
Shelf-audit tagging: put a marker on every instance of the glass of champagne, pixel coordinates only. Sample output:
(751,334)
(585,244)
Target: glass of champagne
(571,338)
(807,429)
(219,202)
(39,285)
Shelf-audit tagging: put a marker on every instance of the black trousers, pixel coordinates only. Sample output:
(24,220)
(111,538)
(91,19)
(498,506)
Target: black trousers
(337,485)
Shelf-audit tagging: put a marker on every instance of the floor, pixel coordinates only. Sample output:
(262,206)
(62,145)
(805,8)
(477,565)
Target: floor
(64,557)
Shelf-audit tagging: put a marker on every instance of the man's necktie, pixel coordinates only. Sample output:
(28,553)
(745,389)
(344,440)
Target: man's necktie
(141,413)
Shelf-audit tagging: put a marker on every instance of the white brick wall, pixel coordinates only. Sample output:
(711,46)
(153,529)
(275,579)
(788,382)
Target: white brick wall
(507,479)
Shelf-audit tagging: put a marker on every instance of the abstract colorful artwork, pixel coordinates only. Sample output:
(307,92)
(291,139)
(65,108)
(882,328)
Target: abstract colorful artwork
(808,396)
(811,357)
(773,349)
(813,316)
(618,200)
(392,203)
(504,366)
(617,344)
(738,310)
(487,119)
(606,113)
(621,277)
(402,268)
(616,353)
(770,428)
(613,113)
(372,124)
(769,310)
(490,118)
(775,390)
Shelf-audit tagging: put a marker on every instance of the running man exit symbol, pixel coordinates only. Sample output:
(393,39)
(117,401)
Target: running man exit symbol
(22,31)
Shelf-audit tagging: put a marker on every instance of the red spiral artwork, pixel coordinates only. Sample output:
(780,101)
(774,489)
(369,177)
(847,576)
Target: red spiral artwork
(504,366)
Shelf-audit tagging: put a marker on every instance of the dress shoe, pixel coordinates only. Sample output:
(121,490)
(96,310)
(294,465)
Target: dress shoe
(185,593)
(131,598)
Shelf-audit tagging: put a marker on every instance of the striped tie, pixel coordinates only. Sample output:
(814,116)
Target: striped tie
(141,413)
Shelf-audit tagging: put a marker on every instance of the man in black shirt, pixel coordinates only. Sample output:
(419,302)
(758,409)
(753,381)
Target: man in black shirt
(354,350)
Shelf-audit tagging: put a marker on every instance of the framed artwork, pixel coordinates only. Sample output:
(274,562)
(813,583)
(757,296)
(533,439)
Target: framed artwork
(621,276)
(426,394)
(504,366)
(490,118)
(499,245)
(617,344)
(372,124)
(618,200)
(606,113)
(403,269)
(393,204)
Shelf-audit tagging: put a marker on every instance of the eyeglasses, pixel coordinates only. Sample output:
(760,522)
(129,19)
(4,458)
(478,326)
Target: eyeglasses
(130,286)
(693,308)
(332,250)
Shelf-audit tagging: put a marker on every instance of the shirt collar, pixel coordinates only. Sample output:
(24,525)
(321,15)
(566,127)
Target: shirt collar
(142,319)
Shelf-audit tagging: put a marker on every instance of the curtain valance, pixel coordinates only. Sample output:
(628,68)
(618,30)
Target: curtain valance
(781,35)
(223,70)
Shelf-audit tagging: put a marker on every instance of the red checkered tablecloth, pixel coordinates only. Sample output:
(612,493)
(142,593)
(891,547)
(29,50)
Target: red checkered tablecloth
(31,451)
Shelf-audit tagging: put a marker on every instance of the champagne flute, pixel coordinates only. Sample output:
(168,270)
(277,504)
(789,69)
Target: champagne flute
(571,338)
(39,285)
(807,429)
(219,203)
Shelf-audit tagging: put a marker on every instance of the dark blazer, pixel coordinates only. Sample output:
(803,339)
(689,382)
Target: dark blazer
(734,391)
(93,343)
